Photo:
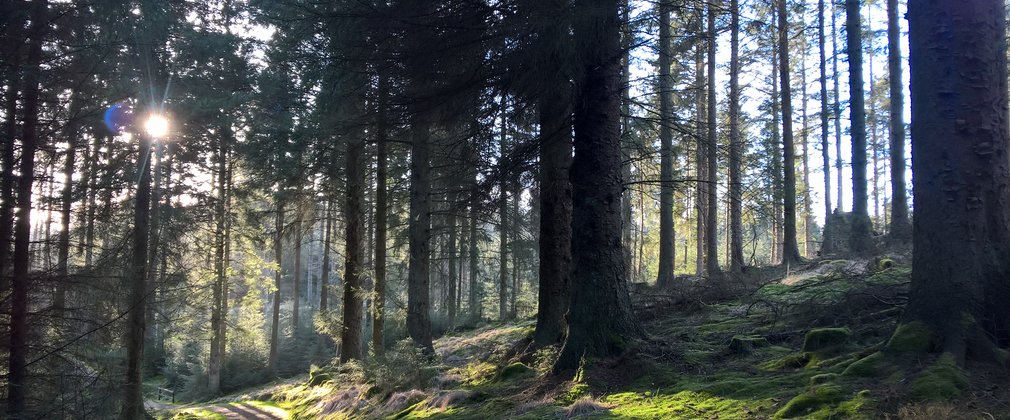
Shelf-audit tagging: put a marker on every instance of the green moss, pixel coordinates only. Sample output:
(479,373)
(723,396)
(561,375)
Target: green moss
(745,344)
(823,378)
(822,339)
(910,337)
(578,390)
(941,381)
(684,404)
(876,364)
(816,401)
(513,371)
(789,361)
(318,375)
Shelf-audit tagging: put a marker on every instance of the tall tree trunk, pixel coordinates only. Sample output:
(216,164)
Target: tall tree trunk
(9,181)
(960,144)
(736,145)
(503,226)
(474,301)
(297,237)
(901,229)
(667,232)
(555,250)
(419,233)
(823,79)
(451,280)
(66,204)
(701,173)
(275,315)
(217,322)
(627,219)
(790,249)
(837,110)
(808,212)
(354,264)
(20,282)
(597,254)
(776,155)
(712,159)
(324,276)
(381,209)
(860,241)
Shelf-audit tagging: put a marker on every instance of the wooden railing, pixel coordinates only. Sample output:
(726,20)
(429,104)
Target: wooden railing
(167,393)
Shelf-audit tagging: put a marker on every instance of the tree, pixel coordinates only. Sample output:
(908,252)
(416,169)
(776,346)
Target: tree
(275,312)
(823,78)
(555,187)
(790,248)
(598,284)
(960,144)
(30,141)
(667,233)
(381,213)
(860,241)
(735,145)
(712,155)
(900,227)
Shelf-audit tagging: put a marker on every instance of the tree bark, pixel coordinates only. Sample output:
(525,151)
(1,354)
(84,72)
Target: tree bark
(860,241)
(503,226)
(667,232)
(20,281)
(381,210)
(901,229)
(597,255)
(701,173)
(475,305)
(278,276)
(712,159)
(555,251)
(960,144)
(354,264)
(324,276)
(837,109)
(736,145)
(776,154)
(8,182)
(790,248)
(823,78)
(419,234)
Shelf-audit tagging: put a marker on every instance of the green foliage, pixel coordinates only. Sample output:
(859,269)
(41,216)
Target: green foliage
(825,339)
(940,381)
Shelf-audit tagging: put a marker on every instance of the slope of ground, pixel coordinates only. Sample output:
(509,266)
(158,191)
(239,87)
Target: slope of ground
(767,344)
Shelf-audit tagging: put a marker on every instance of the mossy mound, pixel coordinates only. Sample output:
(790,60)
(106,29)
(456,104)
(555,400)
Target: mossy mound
(741,344)
(942,380)
(789,361)
(824,339)
(514,370)
(823,378)
(876,364)
(815,399)
(578,390)
(910,337)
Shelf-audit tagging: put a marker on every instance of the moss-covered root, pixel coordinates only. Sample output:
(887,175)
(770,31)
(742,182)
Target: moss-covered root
(943,380)
(823,339)
(825,401)
(910,337)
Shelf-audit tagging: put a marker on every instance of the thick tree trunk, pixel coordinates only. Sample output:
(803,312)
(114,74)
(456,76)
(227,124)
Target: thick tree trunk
(808,212)
(712,158)
(20,282)
(133,401)
(217,309)
(354,264)
(555,194)
(9,181)
(860,242)
(597,255)
(701,171)
(627,145)
(419,234)
(275,316)
(790,248)
(901,229)
(736,146)
(960,144)
(667,232)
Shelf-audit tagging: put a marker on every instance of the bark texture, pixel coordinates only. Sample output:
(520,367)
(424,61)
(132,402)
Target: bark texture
(901,229)
(860,242)
(790,247)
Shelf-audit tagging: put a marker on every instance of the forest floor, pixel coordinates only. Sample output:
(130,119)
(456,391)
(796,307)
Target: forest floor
(765,344)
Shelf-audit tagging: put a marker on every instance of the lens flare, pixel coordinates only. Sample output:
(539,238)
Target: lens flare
(156,126)
(116,118)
